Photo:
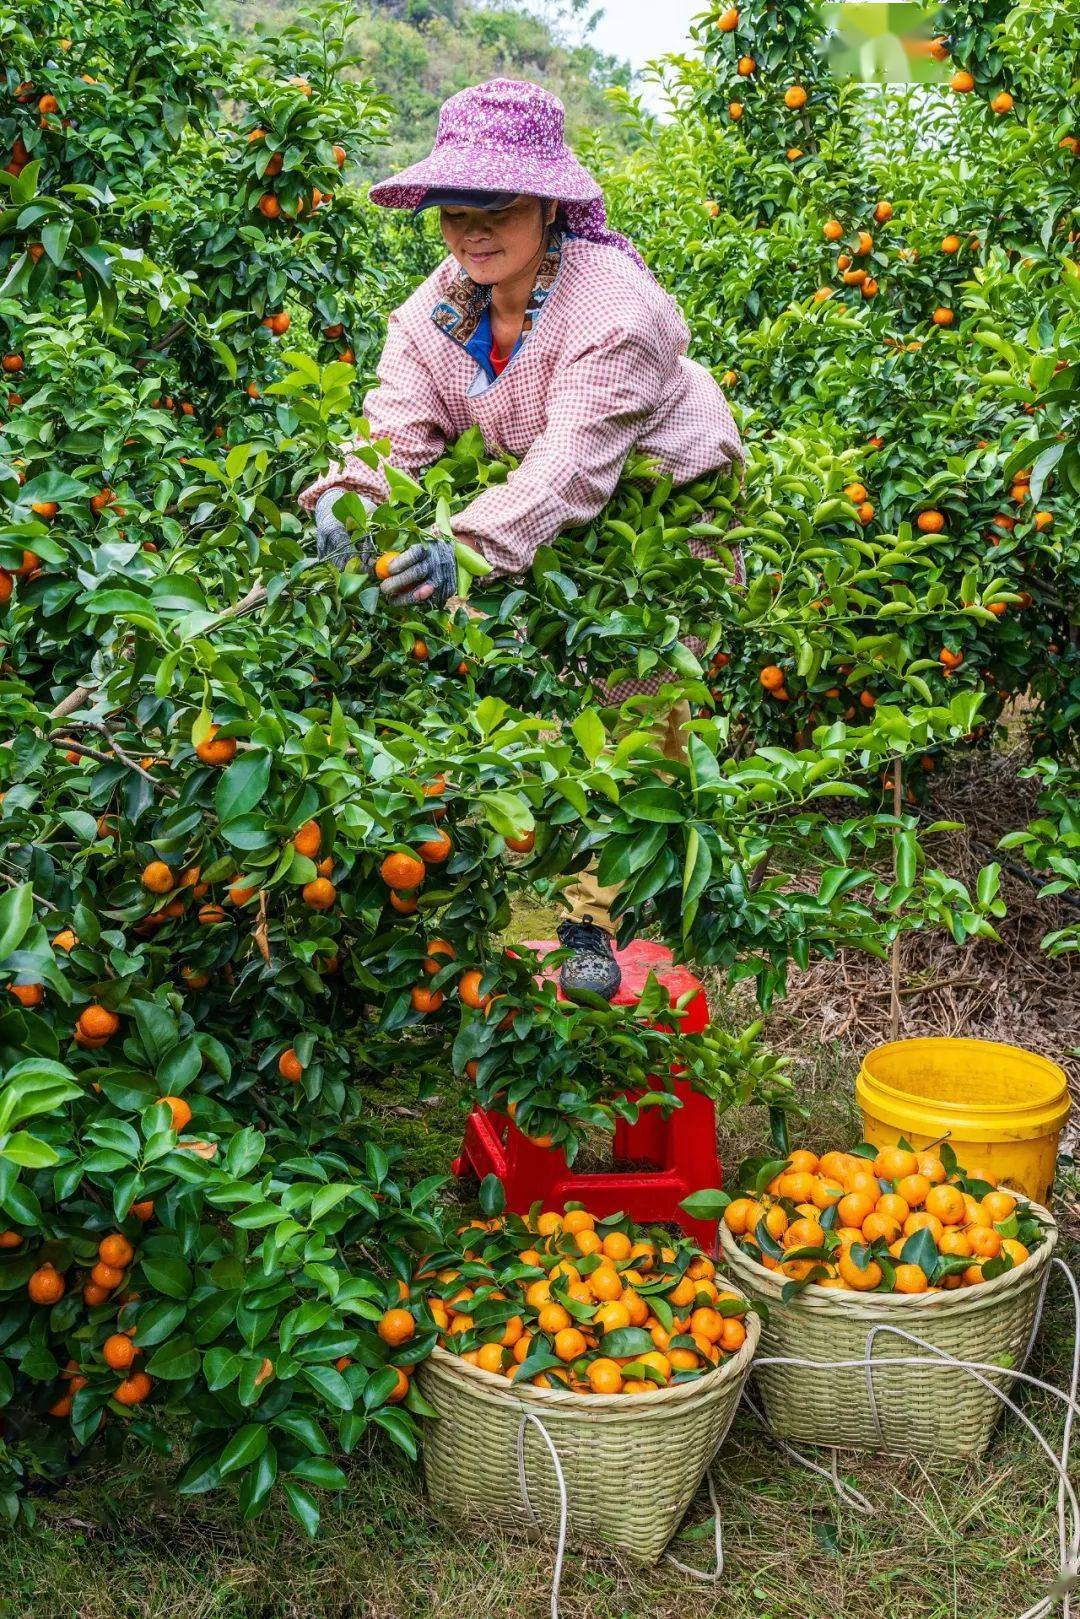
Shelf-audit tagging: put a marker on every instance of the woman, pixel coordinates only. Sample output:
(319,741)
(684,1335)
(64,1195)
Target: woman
(546,330)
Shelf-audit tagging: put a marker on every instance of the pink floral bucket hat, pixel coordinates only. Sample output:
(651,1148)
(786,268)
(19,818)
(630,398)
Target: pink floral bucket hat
(507,135)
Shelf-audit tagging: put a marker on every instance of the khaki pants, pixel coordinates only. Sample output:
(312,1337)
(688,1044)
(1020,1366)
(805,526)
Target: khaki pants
(585,896)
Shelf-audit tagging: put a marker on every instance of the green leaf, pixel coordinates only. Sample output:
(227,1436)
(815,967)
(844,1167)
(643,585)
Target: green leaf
(16,914)
(175,1361)
(243,1448)
(708,1204)
(302,1504)
(492,1196)
(627,1341)
(28,1152)
(243,784)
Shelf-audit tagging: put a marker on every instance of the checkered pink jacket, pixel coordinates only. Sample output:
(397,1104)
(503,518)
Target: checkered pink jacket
(602,371)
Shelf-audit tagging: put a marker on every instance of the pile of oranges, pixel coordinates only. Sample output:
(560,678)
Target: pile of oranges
(890,1221)
(593,1305)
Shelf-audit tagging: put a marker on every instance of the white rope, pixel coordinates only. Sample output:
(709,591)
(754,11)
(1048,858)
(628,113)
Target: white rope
(560,1546)
(1068,1506)
(1068,1537)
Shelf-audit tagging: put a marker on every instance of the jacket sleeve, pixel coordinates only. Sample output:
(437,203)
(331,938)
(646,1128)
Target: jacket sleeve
(597,406)
(404,407)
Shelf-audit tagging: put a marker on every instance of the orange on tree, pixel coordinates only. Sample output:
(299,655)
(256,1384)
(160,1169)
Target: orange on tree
(289,1066)
(133,1390)
(402,872)
(157,877)
(319,894)
(396,1327)
(46,1285)
(180,1110)
(213,750)
(118,1352)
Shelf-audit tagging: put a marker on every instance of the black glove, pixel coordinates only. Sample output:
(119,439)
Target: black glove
(427,570)
(332,541)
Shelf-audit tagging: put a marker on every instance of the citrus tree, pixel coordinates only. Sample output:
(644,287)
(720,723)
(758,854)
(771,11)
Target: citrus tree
(262,833)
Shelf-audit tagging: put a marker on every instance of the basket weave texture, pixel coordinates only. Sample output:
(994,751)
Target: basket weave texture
(631,1463)
(925,1409)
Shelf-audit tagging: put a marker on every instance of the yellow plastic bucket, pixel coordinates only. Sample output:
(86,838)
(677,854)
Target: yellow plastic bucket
(1001,1108)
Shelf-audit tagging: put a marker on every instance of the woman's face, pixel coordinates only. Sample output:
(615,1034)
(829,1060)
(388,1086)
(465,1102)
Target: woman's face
(494,246)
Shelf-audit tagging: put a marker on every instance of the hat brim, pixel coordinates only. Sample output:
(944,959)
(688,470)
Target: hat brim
(472,169)
(458,197)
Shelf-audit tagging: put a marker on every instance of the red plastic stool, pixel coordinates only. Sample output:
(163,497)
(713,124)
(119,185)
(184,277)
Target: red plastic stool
(681,1148)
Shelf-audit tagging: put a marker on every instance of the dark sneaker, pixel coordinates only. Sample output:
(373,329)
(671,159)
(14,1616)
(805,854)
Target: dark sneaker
(592,967)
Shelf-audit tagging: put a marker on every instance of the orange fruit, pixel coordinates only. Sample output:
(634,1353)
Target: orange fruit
(523,844)
(832,230)
(913,1189)
(144,1210)
(1015,1250)
(860,1280)
(107,1276)
(115,1250)
(798,1185)
(658,1362)
(308,840)
(605,1376)
(942,316)
(396,1327)
(776,1221)
(892,1204)
(985,1241)
(921,1221)
(930,522)
(157,877)
(133,1390)
(569,1343)
(290,1067)
(469,991)
(489,1357)
(588,1242)
(28,995)
(46,1285)
(794,97)
(955,1242)
(617,1246)
(947,1203)
(771,677)
(931,1166)
(424,1000)
(433,851)
(214,751)
(538,1294)
(612,1314)
(553,1318)
(382,563)
(962,82)
(439,952)
(910,1279)
(728,20)
(853,1209)
(402,871)
(883,1226)
(181,1112)
(605,1283)
(998,1206)
(803,1234)
(893,1163)
(118,1352)
(733,1336)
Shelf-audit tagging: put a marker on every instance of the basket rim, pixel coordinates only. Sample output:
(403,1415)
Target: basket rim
(841,1299)
(493,1386)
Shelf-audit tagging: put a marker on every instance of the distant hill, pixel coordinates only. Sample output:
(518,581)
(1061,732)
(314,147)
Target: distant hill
(418,52)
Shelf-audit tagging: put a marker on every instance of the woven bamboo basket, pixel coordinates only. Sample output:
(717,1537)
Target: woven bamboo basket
(631,1463)
(926,1409)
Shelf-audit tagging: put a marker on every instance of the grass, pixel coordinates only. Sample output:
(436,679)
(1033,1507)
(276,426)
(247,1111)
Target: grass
(945,1541)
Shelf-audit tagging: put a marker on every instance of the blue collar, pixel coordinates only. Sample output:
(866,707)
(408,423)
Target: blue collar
(464,311)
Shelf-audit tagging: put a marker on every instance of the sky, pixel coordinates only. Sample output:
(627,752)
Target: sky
(638,30)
